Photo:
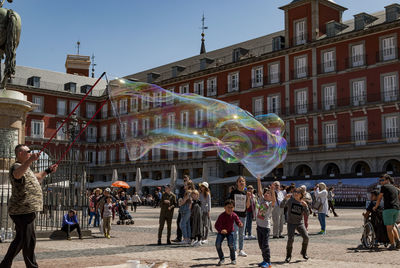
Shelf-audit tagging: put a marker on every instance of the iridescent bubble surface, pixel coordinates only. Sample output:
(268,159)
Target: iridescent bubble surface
(152,117)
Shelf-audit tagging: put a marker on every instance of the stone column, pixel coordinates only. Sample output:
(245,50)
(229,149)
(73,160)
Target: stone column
(13,111)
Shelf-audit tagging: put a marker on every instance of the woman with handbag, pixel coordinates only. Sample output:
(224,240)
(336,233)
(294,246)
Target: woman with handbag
(321,204)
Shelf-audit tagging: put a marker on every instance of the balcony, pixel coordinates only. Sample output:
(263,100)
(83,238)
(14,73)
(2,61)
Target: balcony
(233,87)
(298,73)
(356,61)
(327,67)
(390,94)
(300,39)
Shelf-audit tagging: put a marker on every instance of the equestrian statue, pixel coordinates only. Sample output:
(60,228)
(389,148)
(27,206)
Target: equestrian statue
(10,31)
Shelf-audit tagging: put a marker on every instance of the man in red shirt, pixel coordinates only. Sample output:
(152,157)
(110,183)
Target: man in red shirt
(224,226)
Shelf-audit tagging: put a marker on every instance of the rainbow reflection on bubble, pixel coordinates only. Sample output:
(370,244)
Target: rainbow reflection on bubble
(160,119)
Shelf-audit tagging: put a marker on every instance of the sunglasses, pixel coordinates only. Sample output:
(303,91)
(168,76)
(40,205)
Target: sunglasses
(381,180)
(29,151)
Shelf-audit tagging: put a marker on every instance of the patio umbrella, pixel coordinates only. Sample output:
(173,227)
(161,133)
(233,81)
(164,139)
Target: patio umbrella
(173,178)
(120,184)
(138,181)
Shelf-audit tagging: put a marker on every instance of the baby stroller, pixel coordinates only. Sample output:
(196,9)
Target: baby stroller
(124,216)
(374,232)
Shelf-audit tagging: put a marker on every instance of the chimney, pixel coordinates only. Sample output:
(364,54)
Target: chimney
(392,12)
(77,64)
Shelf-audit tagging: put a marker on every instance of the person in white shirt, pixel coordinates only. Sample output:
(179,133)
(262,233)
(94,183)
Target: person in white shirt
(278,217)
(321,197)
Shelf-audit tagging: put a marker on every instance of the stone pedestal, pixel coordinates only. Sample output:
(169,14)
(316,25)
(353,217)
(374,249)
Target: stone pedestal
(13,111)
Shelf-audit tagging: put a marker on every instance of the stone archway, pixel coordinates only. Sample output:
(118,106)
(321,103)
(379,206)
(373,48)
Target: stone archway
(331,168)
(303,170)
(391,166)
(360,167)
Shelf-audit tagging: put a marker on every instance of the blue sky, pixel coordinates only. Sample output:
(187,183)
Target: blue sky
(129,36)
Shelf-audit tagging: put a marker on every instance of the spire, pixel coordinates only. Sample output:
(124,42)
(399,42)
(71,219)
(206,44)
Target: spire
(78,44)
(203,47)
(93,65)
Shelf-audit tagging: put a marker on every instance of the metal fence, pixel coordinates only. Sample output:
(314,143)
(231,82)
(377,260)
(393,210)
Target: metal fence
(63,190)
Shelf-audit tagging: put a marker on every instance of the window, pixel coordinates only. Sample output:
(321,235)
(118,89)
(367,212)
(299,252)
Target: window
(134,104)
(258,108)
(34,81)
(37,128)
(360,132)
(61,134)
(257,76)
(145,101)
(330,135)
(122,155)
(392,129)
(357,55)
(273,104)
(169,96)
(102,157)
(301,101)
(390,89)
(233,82)
(199,88)
(124,129)
(104,133)
(112,155)
(388,49)
(329,61)
(184,120)
(90,157)
(71,87)
(91,134)
(199,118)
(104,111)
(302,137)
(300,32)
(135,128)
(146,126)
(85,89)
(301,67)
(329,97)
(184,89)
(72,105)
(171,120)
(358,92)
(113,132)
(158,96)
(212,86)
(274,73)
(61,107)
(123,106)
(39,101)
(157,122)
(90,110)
(155,153)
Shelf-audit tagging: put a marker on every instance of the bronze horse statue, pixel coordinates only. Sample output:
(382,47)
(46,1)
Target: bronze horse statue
(10,31)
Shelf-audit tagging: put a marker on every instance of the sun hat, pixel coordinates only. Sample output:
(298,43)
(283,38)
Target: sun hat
(204,183)
(98,189)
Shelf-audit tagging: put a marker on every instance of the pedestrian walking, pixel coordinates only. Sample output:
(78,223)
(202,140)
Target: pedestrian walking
(391,207)
(242,202)
(331,201)
(196,219)
(205,199)
(167,205)
(26,199)
(225,228)
(278,213)
(296,208)
(135,201)
(321,205)
(265,203)
(106,215)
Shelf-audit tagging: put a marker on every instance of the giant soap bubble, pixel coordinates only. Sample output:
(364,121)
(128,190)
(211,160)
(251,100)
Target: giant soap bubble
(152,117)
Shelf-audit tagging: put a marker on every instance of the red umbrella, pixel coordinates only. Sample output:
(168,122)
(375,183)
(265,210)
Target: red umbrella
(121,184)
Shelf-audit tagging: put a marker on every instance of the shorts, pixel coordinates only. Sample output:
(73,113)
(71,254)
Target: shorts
(390,216)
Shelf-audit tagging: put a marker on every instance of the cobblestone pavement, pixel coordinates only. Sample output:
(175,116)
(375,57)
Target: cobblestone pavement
(339,248)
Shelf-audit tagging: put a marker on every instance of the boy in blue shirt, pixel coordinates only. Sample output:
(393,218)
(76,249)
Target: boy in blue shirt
(70,223)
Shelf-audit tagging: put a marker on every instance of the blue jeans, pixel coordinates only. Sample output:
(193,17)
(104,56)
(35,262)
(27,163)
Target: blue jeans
(321,218)
(97,219)
(263,242)
(92,214)
(218,244)
(239,231)
(249,222)
(185,225)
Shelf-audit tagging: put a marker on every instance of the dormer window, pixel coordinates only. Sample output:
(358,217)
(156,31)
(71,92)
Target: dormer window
(300,32)
(71,87)
(238,53)
(278,43)
(34,81)
(85,89)
(176,70)
(151,77)
(205,62)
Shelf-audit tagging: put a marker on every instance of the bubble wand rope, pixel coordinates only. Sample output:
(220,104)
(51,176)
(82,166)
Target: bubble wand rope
(76,107)
(83,129)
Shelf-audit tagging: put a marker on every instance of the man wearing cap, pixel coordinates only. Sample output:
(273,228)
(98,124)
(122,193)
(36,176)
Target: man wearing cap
(26,199)
(167,204)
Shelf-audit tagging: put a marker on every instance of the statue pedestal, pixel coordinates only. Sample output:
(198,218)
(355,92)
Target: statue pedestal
(13,111)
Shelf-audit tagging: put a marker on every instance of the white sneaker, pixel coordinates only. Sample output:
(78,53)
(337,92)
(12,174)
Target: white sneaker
(246,237)
(204,242)
(242,253)
(252,237)
(196,244)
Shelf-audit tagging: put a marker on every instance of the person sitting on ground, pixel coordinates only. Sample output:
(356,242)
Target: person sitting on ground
(224,227)
(70,223)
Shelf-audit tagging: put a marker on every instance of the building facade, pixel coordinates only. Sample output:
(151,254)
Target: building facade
(334,83)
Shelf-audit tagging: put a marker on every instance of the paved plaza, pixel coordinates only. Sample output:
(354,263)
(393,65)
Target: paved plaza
(339,248)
